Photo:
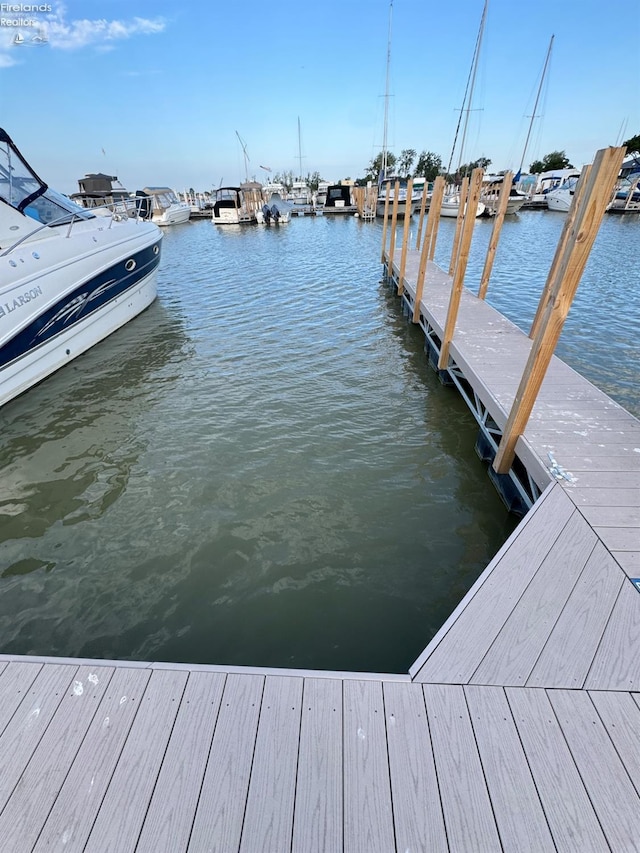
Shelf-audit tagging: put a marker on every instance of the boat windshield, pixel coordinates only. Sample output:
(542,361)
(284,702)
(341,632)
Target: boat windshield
(26,192)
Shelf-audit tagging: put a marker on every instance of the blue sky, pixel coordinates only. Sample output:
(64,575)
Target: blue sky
(162,87)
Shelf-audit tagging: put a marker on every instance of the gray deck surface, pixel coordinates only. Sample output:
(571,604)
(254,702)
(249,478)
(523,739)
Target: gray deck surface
(516,729)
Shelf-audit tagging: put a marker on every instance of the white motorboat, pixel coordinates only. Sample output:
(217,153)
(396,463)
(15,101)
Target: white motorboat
(269,189)
(405,207)
(490,196)
(277,211)
(451,206)
(561,197)
(69,276)
(230,207)
(300,193)
(166,207)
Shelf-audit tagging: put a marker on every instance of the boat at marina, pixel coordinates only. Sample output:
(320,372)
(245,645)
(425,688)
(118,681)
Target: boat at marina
(166,207)
(406,206)
(490,196)
(70,276)
(273,187)
(627,195)
(561,197)
(545,183)
(277,211)
(451,206)
(100,190)
(231,207)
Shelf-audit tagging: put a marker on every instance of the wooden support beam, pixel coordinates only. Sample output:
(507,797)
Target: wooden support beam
(433,221)
(405,237)
(423,207)
(461,266)
(464,190)
(384,224)
(503,200)
(588,208)
(394,223)
(560,249)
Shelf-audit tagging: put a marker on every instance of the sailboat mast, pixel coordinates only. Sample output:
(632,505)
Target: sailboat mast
(535,106)
(299,148)
(474,66)
(383,171)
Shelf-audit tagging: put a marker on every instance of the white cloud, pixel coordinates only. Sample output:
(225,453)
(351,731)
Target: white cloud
(62,34)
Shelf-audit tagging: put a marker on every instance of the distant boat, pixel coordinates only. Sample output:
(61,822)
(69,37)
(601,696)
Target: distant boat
(166,207)
(490,196)
(451,206)
(231,208)
(277,211)
(545,183)
(561,198)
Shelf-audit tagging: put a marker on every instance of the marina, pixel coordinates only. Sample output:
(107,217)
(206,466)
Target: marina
(508,722)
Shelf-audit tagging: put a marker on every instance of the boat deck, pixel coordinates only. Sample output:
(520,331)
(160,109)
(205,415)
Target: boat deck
(516,729)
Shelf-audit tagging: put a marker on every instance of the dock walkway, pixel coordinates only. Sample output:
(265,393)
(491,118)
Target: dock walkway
(516,729)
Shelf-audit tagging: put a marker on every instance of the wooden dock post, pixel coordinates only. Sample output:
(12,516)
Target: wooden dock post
(464,190)
(560,249)
(394,222)
(588,208)
(384,224)
(461,266)
(429,245)
(405,237)
(423,207)
(503,200)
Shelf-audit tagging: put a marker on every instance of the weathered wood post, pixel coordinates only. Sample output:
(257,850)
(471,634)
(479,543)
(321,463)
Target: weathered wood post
(464,189)
(405,237)
(384,224)
(394,223)
(503,200)
(588,208)
(461,267)
(428,247)
(423,207)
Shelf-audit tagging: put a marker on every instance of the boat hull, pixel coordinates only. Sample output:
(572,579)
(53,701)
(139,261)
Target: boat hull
(50,315)
(404,208)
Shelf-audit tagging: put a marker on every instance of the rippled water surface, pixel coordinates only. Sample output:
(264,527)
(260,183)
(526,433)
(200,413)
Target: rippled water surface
(261,469)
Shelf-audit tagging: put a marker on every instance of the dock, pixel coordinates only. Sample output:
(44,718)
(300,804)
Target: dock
(517,728)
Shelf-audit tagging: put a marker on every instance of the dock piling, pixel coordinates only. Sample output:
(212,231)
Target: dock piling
(495,234)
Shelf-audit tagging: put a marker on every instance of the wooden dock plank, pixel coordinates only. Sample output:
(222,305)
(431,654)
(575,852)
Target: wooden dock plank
(39,785)
(318,813)
(29,723)
(124,806)
(171,812)
(368,814)
(70,820)
(517,647)
(519,814)
(620,716)
(417,810)
(572,821)
(223,797)
(572,644)
(268,822)
(610,790)
(15,681)
(616,665)
(488,606)
(465,800)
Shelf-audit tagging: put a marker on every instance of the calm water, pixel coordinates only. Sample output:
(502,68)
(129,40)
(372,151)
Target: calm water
(261,469)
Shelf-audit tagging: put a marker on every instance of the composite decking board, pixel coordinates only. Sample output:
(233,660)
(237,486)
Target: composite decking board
(69,822)
(318,812)
(551,494)
(609,516)
(169,818)
(620,716)
(123,808)
(515,650)
(612,794)
(616,665)
(37,788)
(620,538)
(570,816)
(268,821)
(417,809)
(368,814)
(15,681)
(604,497)
(518,812)
(28,725)
(459,653)
(223,797)
(572,644)
(466,805)
(629,562)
